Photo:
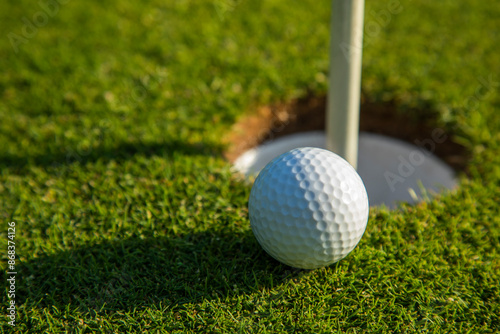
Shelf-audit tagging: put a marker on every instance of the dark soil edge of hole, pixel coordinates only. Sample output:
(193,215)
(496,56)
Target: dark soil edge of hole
(308,114)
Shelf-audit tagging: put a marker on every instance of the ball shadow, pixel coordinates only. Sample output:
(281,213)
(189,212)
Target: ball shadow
(135,273)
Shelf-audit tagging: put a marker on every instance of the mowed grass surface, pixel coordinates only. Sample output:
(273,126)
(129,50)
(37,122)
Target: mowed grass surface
(112,117)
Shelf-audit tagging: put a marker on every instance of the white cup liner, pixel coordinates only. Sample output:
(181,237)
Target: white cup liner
(392,170)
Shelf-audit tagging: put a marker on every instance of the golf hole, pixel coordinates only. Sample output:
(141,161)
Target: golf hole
(404,156)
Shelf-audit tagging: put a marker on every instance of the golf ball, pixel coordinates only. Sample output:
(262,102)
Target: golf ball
(308,208)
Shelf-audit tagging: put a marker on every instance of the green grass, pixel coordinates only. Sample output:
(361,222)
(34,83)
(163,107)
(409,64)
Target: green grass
(129,219)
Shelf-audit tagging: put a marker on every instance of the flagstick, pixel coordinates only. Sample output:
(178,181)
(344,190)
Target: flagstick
(346,47)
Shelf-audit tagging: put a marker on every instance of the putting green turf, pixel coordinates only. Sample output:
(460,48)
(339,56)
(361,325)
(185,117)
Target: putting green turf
(128,218)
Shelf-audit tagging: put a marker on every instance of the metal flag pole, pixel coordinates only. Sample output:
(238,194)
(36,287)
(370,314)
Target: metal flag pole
(346,46)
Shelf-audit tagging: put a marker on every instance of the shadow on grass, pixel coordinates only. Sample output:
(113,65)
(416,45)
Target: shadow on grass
(135,273)
(120,152)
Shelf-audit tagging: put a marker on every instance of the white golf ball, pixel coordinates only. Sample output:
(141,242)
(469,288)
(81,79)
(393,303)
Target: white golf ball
(308,208)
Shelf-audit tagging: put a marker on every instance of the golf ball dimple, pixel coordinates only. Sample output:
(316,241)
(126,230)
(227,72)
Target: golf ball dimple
(308,208)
